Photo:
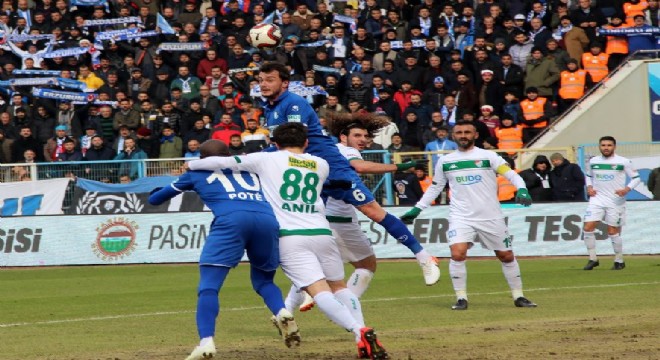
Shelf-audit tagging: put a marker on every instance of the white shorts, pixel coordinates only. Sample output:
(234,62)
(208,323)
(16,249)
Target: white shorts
(493,234)
(308,259)
(610,215)
(352,241)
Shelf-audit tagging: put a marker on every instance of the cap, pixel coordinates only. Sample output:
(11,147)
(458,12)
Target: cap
(439,79)
(487,71)
(61,127)
(487,107)
(499,41)
(519,17)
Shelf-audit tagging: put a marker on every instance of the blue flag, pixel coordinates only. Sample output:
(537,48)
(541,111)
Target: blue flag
(164,26)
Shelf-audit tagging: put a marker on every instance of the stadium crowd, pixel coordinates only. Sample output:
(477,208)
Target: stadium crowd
(164,76)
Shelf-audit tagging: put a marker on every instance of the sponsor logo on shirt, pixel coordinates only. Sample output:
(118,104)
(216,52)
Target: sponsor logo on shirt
(604,177)
(468,179)
(295,108)
(294,118)
(305,164)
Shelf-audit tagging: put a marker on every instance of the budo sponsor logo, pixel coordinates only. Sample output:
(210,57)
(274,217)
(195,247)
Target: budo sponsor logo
(468,179)
(604,177)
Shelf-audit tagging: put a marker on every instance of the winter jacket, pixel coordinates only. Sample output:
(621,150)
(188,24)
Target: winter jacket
(567,182)
(534,180)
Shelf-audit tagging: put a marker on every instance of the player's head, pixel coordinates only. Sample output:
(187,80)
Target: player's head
(213,148)
(290,135)
(273,80)
(464,134)
(354,135)
(607,145)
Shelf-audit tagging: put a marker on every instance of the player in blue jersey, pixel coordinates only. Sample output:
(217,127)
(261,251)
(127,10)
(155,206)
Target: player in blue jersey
(244,221)
(282,106)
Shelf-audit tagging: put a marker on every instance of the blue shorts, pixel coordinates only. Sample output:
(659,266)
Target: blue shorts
(340,169)
(243,231)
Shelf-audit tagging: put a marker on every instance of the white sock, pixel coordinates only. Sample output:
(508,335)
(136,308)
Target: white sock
(350,300)
(337,312)
(617,245)
(422,256)
(294,299)
(511,271)
(205,340)
(458,273)
(359,281)
(590,241)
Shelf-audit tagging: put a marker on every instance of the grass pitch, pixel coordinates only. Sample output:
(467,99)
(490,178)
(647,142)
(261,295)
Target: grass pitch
(147,312)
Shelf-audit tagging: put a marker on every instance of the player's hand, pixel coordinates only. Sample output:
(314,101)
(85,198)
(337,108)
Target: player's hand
(591,192)
(410,216)
(622,192)
(185,167)
(406,165)
(523,197)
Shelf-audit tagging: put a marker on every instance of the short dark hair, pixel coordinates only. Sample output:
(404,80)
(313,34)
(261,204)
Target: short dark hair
(354,125)
(280,68)
(290,135)
(607,138)
(213,147)
(465,122)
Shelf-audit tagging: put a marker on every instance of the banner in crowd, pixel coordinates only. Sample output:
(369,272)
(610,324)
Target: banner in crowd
(654,93)
(37,72)
(163,25)
(296,87)
(173,46)
(113,21)
(94,197)
(43,197)
(543,229)
(63,95)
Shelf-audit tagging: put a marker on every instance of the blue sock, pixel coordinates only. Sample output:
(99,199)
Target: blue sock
(399,231)
(208,304)
(262,283)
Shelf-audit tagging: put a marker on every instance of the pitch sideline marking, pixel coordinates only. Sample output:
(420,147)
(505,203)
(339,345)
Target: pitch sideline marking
(126,316)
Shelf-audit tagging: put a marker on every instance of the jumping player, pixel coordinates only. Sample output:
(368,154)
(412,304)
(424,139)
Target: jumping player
(475,210)
(293,182)
(282,106)
(606,187)
(243,221)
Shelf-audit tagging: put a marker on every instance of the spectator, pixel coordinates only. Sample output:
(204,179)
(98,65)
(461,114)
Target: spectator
(5,148)
(536,112)
(331,105)
(588,18)
(206,65)
(541,73)
(491,120)
(575,38)
(171,146)
(567,180)
(521,49)
(466,95)
(490,92)
(436,122)
(193,149)
(137,83)
(255,137)
(402,96)
(130,152)
(441,143)
(509,135)
(634,8)
(126,116)
(124,133)
(617,46)
(539,34)
(411,130)
(69,152)
(86,139)
(557,54)
(8,128)
(199,132)
(510,76)
(653,183)
(236,146)
(89,78)
(189,85)
(423,111)
(407,188)
(98,151)
(225,129)
(595,62)
(358,92)
(572,85)
(397,144)
(387,105)
(537,179)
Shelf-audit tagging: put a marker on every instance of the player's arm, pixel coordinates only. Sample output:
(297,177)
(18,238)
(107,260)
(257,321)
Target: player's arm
(439,182)
(588,180)
(370,167)
(522,195)
(212,163)
(634,179)
(161,195)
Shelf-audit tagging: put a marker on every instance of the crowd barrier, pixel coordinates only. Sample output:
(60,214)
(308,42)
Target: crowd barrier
(541,230)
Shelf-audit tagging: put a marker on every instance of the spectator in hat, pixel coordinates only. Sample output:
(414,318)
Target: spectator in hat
(536,113)
(194,113)
(86,139)
(412,130)
(440,143)
(573,84)
(435,95)
(567,179)
(488,117)
(510,76)
(490,92)
(574,37)
(55,145)
(541,73)
(595,62)
(617,46)
(199,132)
(44,124)
(24,142)
(537,179)
(21,119)
(397,144)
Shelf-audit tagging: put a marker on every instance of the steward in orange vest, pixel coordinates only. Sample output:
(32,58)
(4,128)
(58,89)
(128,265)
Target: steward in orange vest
(632,8)
(506,191)
(536,114)
(572,84)
(617,46)
(509,136)
(595,62)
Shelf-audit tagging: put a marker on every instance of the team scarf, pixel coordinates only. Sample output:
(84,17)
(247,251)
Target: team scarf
(28,82)
(326,69)
(295,87)
(66,52)
(71,83)
(532,15)
(63,95)
(417,43)
(234,71)
(139,35)
(37,72)
(195,46)
(313,44)
(109,35)
(24,38)
(561,31)
(650,30)
(532,33)
(115,21)
(112,104)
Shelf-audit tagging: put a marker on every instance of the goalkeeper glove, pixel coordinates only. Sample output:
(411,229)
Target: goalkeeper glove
(406,165)
(408,217)
(523,197)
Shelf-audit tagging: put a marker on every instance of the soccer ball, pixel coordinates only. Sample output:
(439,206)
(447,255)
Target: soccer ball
(265,36)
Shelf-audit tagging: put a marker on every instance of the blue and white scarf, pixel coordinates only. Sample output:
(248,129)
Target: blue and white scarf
(417,43)
(326,69)
(532,33)
(138,35)
(103,3)
(561,31)
(63,95)
(71,84)
(295,87)
(651,30)
(313,44)
(195,46)
(109,35)
(115,21)
(531,14)
(27,82)
(425,25)
(344,19)
(25,38)
(66,52)
(96,102)
(37,72)
(234,71)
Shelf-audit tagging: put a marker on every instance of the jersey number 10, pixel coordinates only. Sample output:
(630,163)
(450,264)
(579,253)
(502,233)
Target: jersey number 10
(239,180)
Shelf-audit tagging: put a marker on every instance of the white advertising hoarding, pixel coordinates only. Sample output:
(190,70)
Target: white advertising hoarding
(543,229)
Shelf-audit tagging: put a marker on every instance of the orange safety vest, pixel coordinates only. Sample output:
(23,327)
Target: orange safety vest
(425,183)
(533,110)
(572,84)
(596,65)
(616,44)
(505,189)
(509,138)
(631,10)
